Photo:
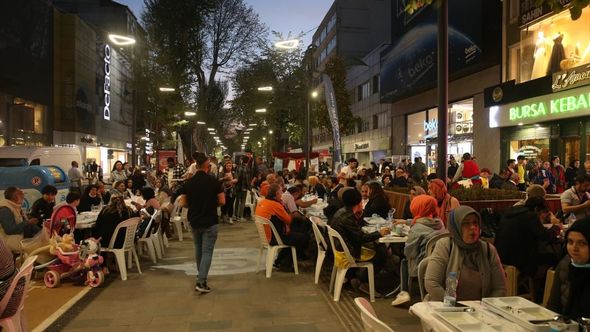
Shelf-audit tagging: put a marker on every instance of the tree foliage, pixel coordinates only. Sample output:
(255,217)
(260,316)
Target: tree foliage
(191,42)
(336,70)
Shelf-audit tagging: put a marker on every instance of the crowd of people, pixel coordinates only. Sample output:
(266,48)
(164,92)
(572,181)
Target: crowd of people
(528,236)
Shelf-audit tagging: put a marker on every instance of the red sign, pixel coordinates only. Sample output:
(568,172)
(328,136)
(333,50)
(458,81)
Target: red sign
(163,155)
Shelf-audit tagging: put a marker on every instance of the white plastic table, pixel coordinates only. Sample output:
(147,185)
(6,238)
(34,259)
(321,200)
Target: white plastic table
(430,322)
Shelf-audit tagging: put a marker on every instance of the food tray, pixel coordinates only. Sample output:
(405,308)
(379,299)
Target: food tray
(470,319)
(522,312)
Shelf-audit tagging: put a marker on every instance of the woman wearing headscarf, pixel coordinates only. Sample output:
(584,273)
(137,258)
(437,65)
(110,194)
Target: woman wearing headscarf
(425,225)
(445,202)
(477,264)
(570,294)
(414,191)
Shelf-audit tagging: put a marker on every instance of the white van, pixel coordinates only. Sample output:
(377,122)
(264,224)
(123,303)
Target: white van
(62,157)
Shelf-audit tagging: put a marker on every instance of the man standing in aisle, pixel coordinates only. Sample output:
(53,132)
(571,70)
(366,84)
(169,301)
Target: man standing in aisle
(203,195)
(75,178)
(521,170)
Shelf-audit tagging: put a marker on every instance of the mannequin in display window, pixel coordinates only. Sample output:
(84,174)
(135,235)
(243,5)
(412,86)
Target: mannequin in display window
(557,54)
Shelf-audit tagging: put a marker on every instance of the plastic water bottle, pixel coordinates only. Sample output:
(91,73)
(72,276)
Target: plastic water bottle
(450,299)
(390,215)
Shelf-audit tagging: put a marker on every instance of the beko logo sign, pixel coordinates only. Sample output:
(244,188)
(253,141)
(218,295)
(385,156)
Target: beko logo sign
(107,82)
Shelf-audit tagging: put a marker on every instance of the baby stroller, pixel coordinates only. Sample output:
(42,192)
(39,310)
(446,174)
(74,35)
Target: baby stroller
(62,221)
(83,263)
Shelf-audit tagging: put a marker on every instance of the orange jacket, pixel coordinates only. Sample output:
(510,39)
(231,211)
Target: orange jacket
(268,208)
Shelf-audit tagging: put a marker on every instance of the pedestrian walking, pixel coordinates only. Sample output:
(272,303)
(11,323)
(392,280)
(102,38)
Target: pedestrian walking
(203,194)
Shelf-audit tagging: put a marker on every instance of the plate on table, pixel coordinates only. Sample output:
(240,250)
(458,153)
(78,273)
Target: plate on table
(469,319)
(522,311)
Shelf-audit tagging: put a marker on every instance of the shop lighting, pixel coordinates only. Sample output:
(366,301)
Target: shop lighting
(261,110)
(314,94)
(252,125)
(270,132)
(287,44)
(167,89)
(216,137)
(190,113)
(264,138)
(520,123)
(246,137)
(211,129)
(121,40)
(265,88)
(200,123)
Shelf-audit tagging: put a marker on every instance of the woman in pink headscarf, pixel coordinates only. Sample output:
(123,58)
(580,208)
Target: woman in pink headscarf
(445,202)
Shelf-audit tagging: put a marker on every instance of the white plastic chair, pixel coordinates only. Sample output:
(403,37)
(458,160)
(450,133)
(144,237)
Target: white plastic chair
(17,322)
(252,199)
(421,273)
(370,321)
(322,247)
(147,239)
(177,220)
(272,250)
(130,227)
(339,273)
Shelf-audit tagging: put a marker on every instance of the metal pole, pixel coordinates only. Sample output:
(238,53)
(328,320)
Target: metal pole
(133,129)
(307,135)
(443,89)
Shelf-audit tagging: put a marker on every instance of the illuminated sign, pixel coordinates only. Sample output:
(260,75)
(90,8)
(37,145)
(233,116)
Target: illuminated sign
(560,105)
(107,82)
(431,125)
(571,78)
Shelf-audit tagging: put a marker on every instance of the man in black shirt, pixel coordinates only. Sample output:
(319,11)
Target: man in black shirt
(43,207)
(203,195)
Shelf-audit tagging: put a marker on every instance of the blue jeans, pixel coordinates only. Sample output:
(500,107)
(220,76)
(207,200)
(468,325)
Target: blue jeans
(204,244)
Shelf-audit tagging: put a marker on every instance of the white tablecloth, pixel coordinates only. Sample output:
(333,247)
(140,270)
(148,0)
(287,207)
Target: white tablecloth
(430,322)
(393,239)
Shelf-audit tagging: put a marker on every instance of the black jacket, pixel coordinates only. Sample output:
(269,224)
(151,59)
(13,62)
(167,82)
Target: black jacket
(349,228)
(378,205)
(520,237)
(560,300)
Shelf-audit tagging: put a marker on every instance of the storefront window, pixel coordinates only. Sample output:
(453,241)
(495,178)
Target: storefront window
(552,45)
(530,148)
(416,128)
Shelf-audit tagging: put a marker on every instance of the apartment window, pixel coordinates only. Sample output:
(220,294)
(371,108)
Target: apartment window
(366,125)
(364,90)
(331,44)
(375,121)
(375,84)
(332,23)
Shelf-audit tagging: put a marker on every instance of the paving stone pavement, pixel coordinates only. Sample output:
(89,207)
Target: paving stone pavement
(163,297)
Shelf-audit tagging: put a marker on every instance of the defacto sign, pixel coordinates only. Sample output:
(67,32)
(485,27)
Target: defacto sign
(107,82)
(561,105)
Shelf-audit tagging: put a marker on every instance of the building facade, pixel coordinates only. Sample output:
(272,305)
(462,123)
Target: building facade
(356,31)
(542,106)
(26,45)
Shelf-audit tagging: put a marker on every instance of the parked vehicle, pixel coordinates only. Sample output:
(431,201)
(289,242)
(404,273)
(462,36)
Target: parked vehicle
(14,156)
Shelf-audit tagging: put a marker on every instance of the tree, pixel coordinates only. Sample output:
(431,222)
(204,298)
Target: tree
(575,7)
(174,55)
(232,34)
(336,70)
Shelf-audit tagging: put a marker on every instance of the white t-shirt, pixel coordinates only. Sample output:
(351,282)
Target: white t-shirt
(572,197)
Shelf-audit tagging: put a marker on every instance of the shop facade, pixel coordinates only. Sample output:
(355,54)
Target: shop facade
(409,80)
(422,132)
(94,85)
(543,110)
